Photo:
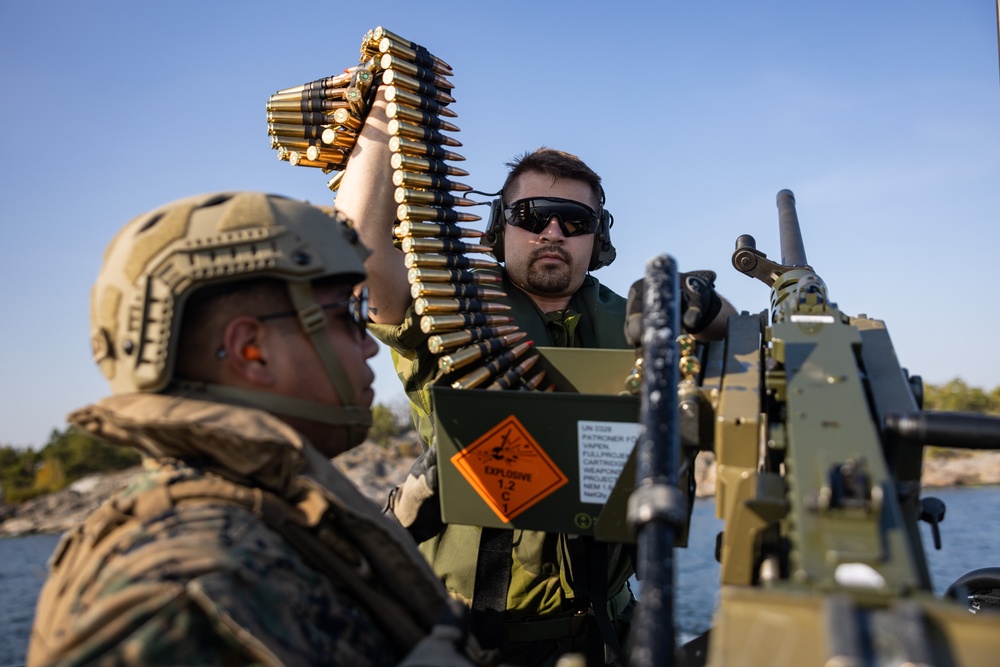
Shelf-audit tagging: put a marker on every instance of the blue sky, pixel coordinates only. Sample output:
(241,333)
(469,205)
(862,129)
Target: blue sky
(881,117)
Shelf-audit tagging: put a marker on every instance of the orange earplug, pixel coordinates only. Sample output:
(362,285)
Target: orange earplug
(251,353)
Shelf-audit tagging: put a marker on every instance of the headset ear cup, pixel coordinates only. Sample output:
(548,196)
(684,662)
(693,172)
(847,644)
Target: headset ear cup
(494,229)
(604,253)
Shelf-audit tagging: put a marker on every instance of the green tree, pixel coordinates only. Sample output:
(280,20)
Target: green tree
(388,422)
(958,396)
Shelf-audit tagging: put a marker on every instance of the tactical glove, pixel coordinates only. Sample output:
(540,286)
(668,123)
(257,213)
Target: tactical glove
(699,304)
(699,301)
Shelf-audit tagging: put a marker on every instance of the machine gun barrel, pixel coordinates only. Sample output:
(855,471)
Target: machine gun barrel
(656,508)
(793,251)
(945,429)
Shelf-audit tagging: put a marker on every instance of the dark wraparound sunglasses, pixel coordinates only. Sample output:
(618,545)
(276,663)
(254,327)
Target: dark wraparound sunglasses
(356,310)
(534,213)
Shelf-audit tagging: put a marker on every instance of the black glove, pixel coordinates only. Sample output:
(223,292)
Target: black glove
(699,304)
(699,301)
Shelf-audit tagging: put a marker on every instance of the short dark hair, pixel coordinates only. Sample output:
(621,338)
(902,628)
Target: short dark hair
(554,163)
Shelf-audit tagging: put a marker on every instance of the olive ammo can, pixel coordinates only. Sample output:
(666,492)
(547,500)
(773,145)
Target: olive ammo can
(558,461)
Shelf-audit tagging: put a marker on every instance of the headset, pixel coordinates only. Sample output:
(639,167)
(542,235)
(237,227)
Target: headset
(603,253)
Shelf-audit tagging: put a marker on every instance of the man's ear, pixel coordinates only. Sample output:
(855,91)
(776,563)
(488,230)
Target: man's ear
(246,355)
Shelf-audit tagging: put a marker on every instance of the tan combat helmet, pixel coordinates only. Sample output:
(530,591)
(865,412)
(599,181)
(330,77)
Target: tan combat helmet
(160,258)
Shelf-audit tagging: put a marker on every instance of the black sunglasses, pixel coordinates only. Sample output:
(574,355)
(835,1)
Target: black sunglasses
(534,213)
(356,309)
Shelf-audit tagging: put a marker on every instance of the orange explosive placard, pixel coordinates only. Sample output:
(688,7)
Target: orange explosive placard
(509,469)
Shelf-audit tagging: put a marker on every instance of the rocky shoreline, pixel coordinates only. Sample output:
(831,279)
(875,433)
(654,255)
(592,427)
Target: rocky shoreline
(376,470)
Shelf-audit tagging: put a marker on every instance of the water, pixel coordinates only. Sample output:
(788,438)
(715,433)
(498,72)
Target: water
(967,545)
(23,567)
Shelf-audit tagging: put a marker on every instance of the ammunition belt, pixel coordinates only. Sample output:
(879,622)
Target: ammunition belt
(316,124)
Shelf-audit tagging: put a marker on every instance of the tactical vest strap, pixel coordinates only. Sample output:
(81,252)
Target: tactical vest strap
(489,597)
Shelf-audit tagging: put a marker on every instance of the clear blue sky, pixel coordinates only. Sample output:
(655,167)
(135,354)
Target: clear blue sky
(881,117)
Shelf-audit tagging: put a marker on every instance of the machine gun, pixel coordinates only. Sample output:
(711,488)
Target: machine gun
(818,435)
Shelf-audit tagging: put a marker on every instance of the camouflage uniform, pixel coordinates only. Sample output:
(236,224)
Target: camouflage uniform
(238,544)
(543,614)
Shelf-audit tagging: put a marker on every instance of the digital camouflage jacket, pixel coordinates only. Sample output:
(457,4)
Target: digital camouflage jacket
(239,543)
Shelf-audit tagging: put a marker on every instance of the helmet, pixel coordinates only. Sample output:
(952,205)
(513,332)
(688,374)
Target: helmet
(160,258)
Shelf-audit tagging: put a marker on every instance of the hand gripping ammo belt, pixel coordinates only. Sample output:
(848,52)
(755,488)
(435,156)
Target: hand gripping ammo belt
(476,345)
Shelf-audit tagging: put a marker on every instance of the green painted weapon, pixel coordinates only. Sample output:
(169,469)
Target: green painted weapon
(818,435)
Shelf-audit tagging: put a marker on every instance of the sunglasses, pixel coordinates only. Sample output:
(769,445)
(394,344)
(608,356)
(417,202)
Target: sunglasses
(534,213)
(356,310)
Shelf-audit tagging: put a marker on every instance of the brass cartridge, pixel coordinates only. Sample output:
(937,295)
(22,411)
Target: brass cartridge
(422,245)
(298,117)
(418,56)
(394,110)
(512,377)
(403,129)
(440,342)
(392,77)
(442,290)
(300,131)
(427,275)
(422,260)
(412,100)
(476,351)
(335,81)
(338,138)
(325,154)
(410,213)
(392,62)
(429,198)
(421,165)
(429,229)
(434,323)
(428,181)
(429,306)
(493,367)
(347,119)
(421,149)
(306,105)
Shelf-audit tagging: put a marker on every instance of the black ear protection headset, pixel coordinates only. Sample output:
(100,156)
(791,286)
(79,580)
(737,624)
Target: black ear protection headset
(603,253)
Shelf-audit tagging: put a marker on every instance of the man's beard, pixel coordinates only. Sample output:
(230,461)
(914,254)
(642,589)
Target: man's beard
(549,279)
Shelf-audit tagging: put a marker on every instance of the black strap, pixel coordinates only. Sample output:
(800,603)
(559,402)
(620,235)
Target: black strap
(590,583)
(489,596)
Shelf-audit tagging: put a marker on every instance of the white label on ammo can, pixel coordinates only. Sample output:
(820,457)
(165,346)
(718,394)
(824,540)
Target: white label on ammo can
(604,448)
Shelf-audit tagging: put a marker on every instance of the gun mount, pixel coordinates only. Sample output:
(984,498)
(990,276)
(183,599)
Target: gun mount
(818,435)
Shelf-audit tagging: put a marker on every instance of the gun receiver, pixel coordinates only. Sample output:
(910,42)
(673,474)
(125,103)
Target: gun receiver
(818,435)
